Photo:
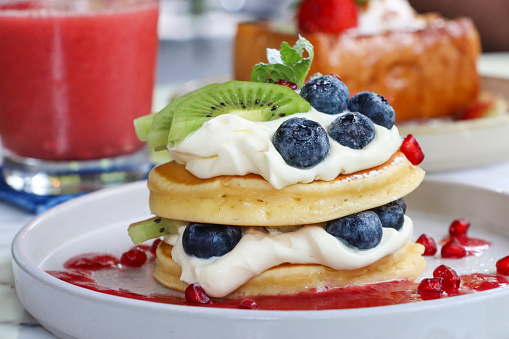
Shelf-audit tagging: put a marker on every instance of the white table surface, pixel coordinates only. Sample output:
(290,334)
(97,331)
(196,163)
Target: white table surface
(15,322)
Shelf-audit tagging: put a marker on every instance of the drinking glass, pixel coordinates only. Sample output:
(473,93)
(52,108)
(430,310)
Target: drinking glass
(74,74)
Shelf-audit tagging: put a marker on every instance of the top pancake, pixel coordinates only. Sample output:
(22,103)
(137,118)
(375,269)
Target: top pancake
(251,201)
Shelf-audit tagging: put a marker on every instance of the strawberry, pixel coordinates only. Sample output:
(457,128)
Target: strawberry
(411,149)
(326,16)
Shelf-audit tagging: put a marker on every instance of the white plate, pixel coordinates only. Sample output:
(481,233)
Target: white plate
(98,221)
(453,145)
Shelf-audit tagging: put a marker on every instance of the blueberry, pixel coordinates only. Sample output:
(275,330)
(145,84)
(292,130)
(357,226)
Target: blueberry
(362,230)
(208,240)
(352,130)
(391,215)
(375,107)
(302,143)
(326,94)
(402,203)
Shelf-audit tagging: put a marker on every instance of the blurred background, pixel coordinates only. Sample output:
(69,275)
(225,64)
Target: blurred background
(200,33)
(196,35)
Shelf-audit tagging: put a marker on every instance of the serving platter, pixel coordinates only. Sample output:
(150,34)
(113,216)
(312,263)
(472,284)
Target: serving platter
(97,223)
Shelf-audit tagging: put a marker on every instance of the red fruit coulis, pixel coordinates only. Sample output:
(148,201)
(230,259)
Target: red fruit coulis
(99,272)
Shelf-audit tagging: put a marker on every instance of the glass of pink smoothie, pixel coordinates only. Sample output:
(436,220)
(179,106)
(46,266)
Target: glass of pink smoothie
(73,76)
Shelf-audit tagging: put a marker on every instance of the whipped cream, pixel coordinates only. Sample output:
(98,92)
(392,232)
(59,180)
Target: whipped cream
(379,16)
(231,145)
(258,251)
(375,17)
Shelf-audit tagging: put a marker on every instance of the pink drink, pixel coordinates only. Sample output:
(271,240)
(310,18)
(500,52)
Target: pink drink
(72,82)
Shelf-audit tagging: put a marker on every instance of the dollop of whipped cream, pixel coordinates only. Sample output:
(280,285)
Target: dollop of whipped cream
(379,16)
(258,251)
(231,145)
(375,17)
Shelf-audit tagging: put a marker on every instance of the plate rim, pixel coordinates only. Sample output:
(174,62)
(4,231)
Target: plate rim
(29,267)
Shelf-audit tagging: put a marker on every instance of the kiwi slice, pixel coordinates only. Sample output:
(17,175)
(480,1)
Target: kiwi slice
(159,124)
(153,228)
(250,100)
(142,126)
(157,136)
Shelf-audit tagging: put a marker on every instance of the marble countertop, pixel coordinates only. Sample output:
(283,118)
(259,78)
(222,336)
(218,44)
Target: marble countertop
(16,323)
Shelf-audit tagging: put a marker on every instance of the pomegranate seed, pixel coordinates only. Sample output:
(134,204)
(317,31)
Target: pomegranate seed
(153,248)
(430,285)
(334,75)
(453,249)
(248,304)
(503,266)
(286,83)
(430,246)
(459,227)
(451,278)
(196,294)
(133,258)
(142,247)
(411,149)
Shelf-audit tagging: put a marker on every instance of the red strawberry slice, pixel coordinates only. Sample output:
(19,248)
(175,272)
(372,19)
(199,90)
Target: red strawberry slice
(327,16)
(411,149)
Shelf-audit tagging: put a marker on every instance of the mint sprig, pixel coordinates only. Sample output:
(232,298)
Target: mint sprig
(286,64)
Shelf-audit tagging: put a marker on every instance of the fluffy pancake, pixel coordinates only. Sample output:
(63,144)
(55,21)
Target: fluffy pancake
(251,201)
(406,263)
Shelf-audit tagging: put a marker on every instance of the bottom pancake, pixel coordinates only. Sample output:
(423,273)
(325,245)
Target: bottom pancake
(405,264)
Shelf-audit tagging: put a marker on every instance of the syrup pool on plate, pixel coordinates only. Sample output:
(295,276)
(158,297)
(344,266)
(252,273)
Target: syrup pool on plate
(108,274)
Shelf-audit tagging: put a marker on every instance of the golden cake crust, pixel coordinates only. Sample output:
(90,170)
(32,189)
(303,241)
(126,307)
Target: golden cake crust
(406,263)
(251,201)
(424,74)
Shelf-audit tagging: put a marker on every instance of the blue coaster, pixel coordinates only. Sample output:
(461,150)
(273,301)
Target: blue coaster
(31,202)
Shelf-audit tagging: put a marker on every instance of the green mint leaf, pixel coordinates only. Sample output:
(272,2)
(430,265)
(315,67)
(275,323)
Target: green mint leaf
(286,64)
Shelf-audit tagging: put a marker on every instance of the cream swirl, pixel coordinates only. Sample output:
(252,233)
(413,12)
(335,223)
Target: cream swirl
(231,145)
(258,251)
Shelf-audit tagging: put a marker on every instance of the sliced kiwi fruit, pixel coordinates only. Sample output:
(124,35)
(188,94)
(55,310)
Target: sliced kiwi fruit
(157,136)
(250,100)
(142,126)
(153,228)
(160,123)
